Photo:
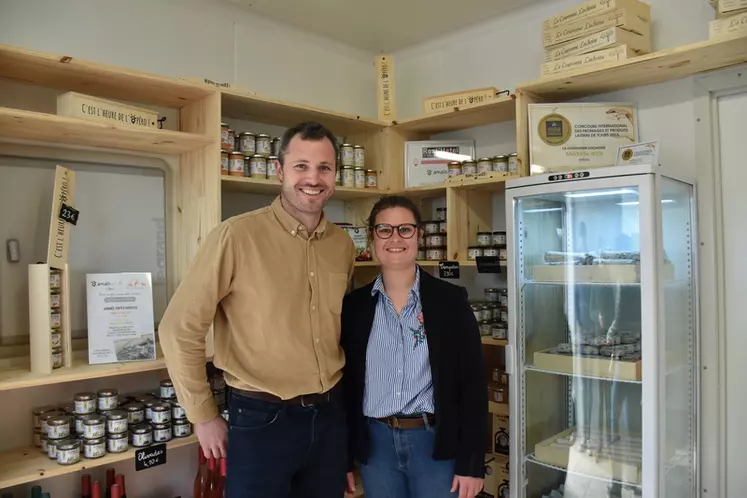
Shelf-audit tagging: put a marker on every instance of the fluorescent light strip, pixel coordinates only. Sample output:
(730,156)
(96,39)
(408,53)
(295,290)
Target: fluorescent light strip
(576,195)
(635,203)
(544,210)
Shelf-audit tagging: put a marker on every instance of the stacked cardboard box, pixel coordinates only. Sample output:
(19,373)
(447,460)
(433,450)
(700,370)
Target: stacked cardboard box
(596,32)
(731,18)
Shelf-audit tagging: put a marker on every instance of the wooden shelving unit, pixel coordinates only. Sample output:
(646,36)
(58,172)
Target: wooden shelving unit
(502,109)
(262,186)
(40,127)
(489,341)
(657,67)
(29,464)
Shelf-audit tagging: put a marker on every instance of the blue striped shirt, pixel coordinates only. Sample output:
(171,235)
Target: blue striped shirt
(398,370)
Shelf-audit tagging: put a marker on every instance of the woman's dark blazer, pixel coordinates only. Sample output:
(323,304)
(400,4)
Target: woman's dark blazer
(459,382)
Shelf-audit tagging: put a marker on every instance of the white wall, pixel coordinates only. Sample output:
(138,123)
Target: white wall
(198,38)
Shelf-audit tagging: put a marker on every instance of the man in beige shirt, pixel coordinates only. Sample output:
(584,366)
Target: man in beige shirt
(272,283)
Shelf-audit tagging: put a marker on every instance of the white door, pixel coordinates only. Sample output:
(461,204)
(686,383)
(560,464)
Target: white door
(732,111)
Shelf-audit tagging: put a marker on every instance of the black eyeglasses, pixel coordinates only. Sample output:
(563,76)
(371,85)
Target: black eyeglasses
(405,230)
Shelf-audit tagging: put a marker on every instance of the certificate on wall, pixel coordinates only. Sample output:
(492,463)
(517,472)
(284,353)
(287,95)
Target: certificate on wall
(120,317)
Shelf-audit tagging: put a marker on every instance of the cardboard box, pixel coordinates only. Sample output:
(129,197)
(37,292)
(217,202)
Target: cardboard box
(564,137)
(77,105)
(622,18)
(728,6)
(720,15)
(461,100)
(609,38)
(595,8)
(591,59)
(500,435)
(728,27)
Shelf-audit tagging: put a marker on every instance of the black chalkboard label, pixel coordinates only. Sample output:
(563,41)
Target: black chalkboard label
(488,264)
(69,214)
(448,269)
(150,457)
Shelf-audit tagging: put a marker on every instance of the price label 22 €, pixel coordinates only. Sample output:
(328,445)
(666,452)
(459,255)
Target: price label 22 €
(150,457)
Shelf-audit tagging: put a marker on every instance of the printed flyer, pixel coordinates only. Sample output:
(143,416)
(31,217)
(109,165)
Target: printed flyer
(120,317)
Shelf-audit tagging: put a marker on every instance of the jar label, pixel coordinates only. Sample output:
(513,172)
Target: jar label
(56,340)
(55,300)
(236,167)
(109,403)
(94,450)
(56,320)
(182,430)
(94,431)
(160,417)
(52,451)
(348,156)
(117,445)
(258,167)
(224,165)
(85,407)
(359,157)
(263,146)
(272,168)
(167,392)
(141,440)
(161,435)
(54,280)
(178,413)
(136,417)
(67,457)
(360,179)
(513,164)
(117,426)
(58,431)
(247,145)
(348,178)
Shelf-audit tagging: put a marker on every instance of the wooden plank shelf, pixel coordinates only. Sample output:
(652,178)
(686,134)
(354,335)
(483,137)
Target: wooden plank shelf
(502,109)
(489,341)
(239,105)
(29,464)
(664,65)
(73,74)
(494,181)
(19,376)
(263,186)
(41,127)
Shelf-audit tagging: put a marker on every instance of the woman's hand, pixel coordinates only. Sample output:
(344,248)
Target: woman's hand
(468,486)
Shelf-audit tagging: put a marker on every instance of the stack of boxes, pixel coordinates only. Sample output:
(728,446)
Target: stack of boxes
(731,18)
(596,32)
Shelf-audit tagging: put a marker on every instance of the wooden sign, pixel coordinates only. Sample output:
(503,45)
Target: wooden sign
(609,38)
(623,18)
(216,84)
(461,100)
(59,228)
(448,269)
(77,105)
(385,93)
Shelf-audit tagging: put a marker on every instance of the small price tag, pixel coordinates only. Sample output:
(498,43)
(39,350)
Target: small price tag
(150,457)
(448,269)
(488,264)
(69,214)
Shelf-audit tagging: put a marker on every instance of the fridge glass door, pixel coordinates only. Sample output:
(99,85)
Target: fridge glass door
(578,287)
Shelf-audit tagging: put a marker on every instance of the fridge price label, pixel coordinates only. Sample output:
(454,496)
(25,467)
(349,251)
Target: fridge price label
(150,457)
(576,175)
(448,269)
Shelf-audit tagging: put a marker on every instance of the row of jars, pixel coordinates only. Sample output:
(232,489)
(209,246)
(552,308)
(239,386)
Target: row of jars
(248,143)
(508,164)
(251,165)
(356,177)
(55,315)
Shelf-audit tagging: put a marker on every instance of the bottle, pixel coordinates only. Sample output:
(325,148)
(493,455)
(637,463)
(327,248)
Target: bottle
(36,492)
(220,480)
(121,483)
(96,489)
(201,479)
(212,479)
(115,492)
(85,486)
(109,482)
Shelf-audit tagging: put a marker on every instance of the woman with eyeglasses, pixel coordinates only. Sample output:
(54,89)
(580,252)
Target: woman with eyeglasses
(414,374)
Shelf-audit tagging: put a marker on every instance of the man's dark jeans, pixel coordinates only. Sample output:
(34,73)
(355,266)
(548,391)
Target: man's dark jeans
(281,450)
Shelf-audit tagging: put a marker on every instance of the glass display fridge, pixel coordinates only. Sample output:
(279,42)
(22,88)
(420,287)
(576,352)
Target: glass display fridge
(603,343)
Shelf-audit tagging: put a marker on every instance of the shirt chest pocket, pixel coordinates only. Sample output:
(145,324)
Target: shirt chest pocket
(337,286)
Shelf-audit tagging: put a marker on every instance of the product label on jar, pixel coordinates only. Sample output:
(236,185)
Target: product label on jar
(117,445)
(272,168)
(116,426)
(177,412)
(371,180)
(141,440)
(484,240)
(504,316)
(264,147)
(224,137)
(160,417)
(56,319)
(161,435)
(474,253)
(94,431)
(348,156)
(55,300)
(58,431)
(455,170)
(247,145)
(348,177)
(108,403)
(57,360)
(56,340)
(469,169)
(359,157)
(513,164)
(360,179)
(434,254)
(236,166)
(490,252)
(54,280)
(359,235)
(182,430)
(94,450)
(500,166)
(484,167)
(224,165)
(84,407)
(148,414)
(52,450)
(167,392)
(68,457)
(136,417)
(258,167)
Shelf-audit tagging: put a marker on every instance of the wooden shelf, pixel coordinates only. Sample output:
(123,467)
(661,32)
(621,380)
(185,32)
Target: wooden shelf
(425,192)
(494,181)
(72,74)
(20,377)
(30,464)
(502,109)
(41,127)
(276,112)
(489,341)
(263,186)
(664,65)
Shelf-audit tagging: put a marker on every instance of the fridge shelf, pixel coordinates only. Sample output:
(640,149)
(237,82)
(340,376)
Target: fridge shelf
(532,459)
(593,274)
(618,461)
(587,366)
(530,368)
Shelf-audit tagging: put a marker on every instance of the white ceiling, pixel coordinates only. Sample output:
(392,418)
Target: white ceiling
(380,25)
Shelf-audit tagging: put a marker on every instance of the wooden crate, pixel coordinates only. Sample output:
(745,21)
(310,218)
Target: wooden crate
(594,8)
(609,38)
(77,105)
(728,7)
(588,365)
(462,100)
(626,19)
(585,61)
(729,26)
(620,460)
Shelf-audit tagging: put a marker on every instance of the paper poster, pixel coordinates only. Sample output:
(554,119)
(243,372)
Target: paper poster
(643,153)
(120,317)
(427,162)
